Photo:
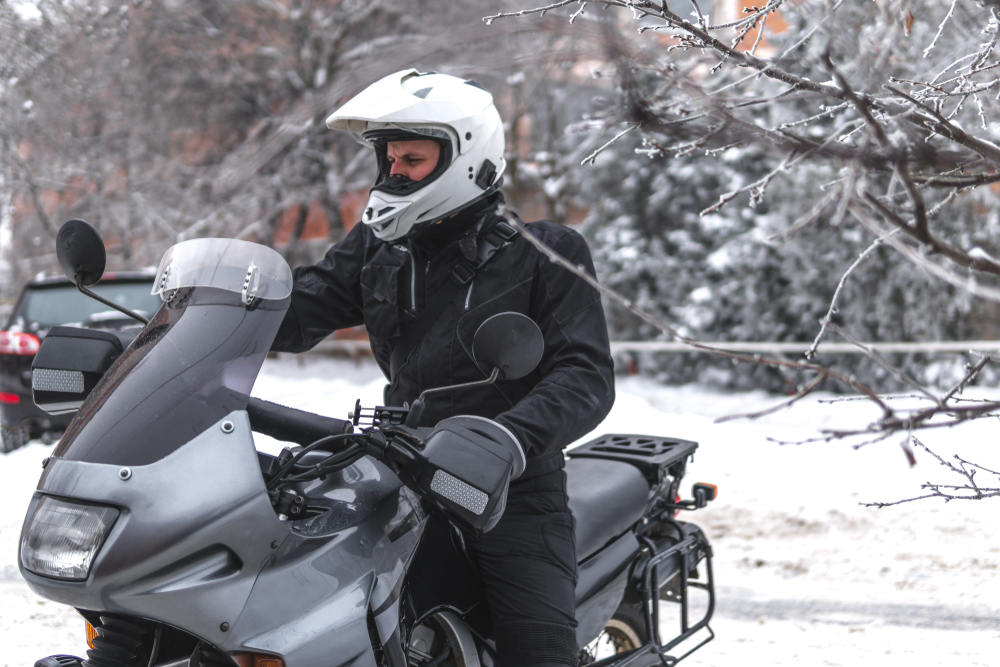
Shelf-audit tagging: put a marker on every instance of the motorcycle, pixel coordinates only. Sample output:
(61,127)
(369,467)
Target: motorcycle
(183,546)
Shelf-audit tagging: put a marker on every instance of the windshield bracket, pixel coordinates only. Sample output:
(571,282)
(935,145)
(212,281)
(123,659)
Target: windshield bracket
(250,285)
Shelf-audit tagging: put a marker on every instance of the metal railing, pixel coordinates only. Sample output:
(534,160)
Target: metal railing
(939,347)
(360,347)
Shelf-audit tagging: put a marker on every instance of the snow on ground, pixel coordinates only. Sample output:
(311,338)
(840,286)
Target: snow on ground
(805,574)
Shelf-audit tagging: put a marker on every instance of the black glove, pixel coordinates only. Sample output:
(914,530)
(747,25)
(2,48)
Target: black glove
(463,466)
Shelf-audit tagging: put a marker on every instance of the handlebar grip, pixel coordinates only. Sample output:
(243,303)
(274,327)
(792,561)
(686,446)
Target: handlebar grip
(291,425)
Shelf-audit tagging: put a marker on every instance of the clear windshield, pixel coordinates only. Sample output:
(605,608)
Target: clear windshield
(248,269)
(194,363)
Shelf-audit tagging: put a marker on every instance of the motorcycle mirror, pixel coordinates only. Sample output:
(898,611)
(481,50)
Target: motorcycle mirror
(81,255)
(507,346)
(509,341)
(80,251)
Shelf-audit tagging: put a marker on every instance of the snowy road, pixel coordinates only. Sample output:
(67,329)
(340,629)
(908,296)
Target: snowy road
(737,605)
(806,576)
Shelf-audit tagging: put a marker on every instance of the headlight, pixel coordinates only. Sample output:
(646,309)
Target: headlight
(63,537)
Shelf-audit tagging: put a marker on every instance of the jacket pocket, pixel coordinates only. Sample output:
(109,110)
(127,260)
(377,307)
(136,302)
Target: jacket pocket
(379,296)
(515,298)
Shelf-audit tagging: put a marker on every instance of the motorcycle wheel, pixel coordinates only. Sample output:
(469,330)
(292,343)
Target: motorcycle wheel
(624,632)
(12,437)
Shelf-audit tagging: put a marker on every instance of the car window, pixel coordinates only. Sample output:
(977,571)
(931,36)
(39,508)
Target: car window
(63,304)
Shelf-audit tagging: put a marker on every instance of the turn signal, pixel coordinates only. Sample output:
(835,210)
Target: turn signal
(704,493)
(91,634)
(711,491)
(261,660)
(257,660)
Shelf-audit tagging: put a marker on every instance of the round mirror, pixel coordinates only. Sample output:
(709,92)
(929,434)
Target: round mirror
(80,250)
(511,342)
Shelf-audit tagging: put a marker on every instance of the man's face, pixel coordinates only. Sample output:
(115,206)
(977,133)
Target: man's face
(413,159)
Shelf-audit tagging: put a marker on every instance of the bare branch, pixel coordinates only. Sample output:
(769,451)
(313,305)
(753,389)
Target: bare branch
(884,363)
(951,11)
(828,318)
(537,10)
(33,189)
(801,393)
(969,489)
(946,128)
(593,156)
(959,257)
(809,217)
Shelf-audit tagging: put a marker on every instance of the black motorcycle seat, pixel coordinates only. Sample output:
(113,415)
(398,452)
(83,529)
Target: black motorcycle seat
(606,498)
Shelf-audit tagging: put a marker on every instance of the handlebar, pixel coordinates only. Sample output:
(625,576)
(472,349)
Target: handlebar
(291,425)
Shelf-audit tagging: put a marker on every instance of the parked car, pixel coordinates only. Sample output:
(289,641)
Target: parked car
(43,304)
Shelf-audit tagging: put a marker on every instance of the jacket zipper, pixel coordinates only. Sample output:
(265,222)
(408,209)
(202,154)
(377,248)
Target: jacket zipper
(413,278)
(413,284)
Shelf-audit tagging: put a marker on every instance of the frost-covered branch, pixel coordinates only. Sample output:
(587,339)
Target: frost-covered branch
(862,91)
(828,318)
(870,128)
(945,410)
(968,489)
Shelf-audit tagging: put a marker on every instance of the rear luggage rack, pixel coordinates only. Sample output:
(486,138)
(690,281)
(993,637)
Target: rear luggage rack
(650,454)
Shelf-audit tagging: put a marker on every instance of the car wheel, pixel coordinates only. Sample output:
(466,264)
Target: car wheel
(12,437)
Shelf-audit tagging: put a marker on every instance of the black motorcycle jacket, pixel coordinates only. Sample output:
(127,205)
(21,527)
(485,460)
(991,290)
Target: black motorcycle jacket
(363,280)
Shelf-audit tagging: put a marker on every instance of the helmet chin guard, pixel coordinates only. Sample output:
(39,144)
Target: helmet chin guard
(383,213)
(407,106)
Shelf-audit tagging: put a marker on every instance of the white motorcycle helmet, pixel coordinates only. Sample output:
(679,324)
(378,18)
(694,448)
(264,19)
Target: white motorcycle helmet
(458,114)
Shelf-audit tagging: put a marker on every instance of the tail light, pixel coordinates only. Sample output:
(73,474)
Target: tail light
(9,399)
(15,342)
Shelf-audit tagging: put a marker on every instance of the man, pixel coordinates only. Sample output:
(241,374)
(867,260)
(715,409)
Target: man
(433,242)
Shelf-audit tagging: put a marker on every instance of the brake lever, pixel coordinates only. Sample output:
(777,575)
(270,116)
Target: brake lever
(413,416)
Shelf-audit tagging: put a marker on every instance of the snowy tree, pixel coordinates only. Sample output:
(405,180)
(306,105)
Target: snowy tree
(160,122)
(756,157)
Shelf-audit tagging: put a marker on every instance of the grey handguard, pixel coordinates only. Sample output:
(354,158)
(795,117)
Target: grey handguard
(496,432)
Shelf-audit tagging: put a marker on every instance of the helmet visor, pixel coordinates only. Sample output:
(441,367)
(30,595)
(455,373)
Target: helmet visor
(395,184)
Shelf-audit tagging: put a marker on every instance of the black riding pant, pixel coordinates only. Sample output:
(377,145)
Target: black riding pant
(527,565)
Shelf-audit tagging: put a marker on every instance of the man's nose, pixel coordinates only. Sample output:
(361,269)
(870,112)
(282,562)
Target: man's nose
(398,168)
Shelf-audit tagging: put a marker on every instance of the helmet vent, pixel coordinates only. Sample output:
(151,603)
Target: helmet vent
(487,172)
(387,209)
(422,93)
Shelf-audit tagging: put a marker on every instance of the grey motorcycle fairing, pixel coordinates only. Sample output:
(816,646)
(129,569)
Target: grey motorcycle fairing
(197,536)
(197,529)
(333,567)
